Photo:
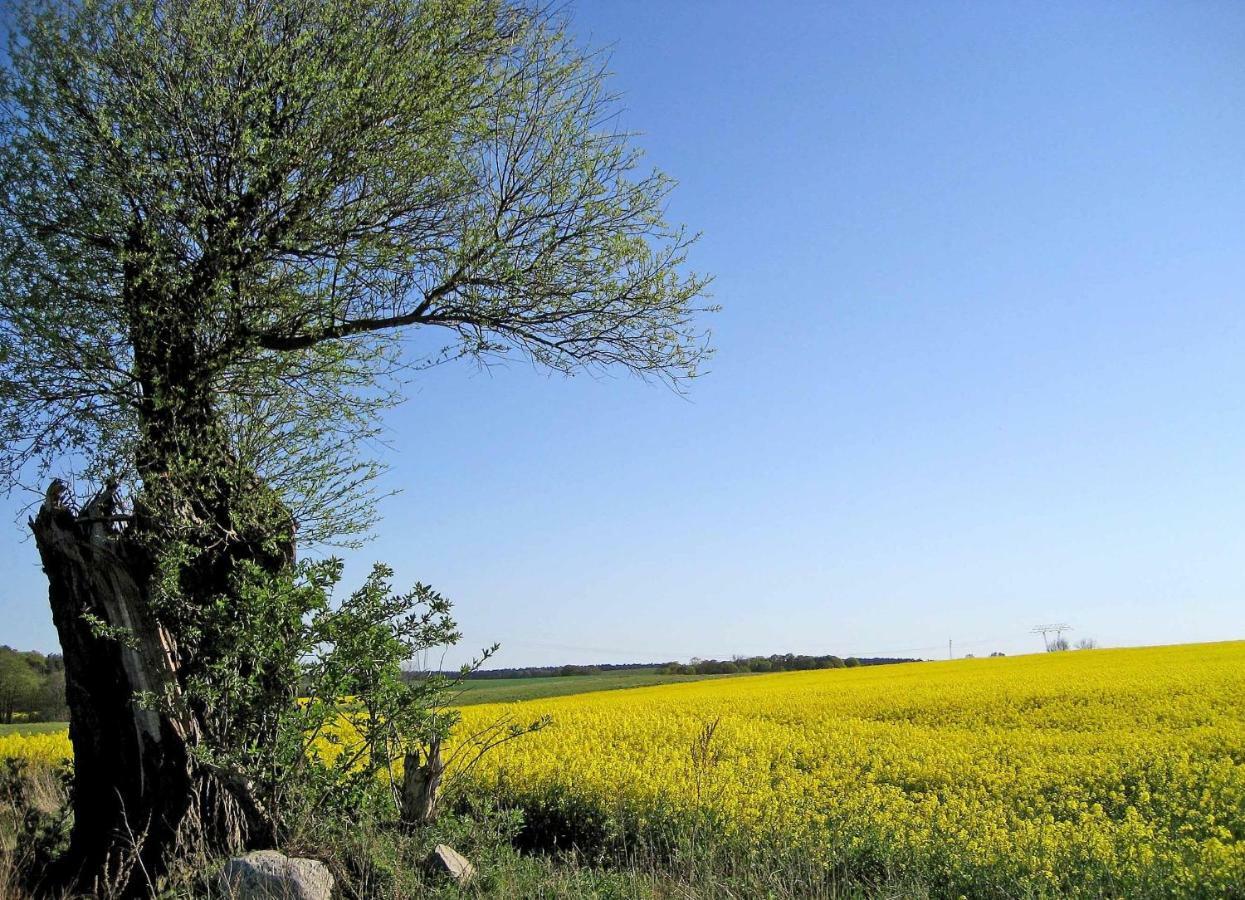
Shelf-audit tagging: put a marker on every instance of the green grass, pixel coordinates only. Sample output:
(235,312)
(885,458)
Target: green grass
(372,860)
(509,690)
(32,727)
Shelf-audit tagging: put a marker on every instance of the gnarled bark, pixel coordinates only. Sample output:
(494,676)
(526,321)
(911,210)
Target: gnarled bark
(421,784)
(139,794)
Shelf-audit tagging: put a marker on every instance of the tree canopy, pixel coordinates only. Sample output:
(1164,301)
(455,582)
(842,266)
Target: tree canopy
(281,187)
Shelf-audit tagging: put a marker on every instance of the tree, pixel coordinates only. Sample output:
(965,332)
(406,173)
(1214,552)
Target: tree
(50,701)
(19,684)
(218,219)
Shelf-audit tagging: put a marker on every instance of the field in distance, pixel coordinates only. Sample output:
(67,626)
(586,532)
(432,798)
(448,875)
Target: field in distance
(32,727)
(510,690)
(491,690)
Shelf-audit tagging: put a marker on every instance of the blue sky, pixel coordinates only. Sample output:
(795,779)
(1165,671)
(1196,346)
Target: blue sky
(979,361)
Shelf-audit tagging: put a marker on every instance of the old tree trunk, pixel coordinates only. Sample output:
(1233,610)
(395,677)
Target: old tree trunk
(135,790)
(142,796)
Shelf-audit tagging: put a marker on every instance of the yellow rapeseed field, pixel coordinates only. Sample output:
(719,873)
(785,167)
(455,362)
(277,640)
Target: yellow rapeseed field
(1108,771)
(50,747)
(1105,772)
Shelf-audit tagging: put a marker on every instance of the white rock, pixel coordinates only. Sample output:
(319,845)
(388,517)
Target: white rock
(269,875)
(445,860)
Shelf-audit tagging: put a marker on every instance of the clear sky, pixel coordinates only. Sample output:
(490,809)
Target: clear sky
(981,362)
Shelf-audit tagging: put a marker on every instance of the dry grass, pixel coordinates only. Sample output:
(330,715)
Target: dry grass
(31,795)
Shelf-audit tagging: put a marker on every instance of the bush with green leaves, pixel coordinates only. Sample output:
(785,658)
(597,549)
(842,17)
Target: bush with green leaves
(333,749)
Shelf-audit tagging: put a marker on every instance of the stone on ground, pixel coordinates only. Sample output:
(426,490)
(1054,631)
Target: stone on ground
(269,875)
(445,860)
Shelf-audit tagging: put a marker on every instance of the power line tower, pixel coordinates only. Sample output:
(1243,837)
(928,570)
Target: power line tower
(1057,630)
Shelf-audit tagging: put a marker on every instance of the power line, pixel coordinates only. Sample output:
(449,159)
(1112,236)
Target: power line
(1057,629)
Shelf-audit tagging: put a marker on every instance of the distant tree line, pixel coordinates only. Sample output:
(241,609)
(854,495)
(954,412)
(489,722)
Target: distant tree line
(779,662)
(545,671)
(32,687)
(553,671)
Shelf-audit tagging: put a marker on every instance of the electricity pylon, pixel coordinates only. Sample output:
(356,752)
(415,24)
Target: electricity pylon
(1057,629)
